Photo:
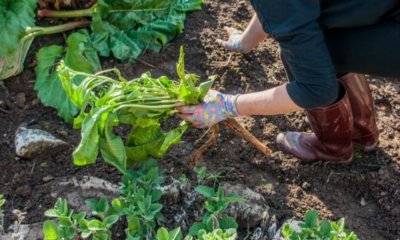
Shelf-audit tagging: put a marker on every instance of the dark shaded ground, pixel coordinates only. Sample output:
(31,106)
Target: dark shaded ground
(290,188)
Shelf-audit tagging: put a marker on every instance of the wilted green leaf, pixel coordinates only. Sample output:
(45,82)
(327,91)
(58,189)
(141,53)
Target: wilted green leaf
(13,63)
(48,85)
(15,17)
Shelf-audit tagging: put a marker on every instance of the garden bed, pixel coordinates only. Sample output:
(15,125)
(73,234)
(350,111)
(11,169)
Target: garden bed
(366,192)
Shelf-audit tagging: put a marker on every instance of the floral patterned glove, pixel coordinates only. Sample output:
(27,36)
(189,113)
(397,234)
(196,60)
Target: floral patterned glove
(216,107)
(234,42)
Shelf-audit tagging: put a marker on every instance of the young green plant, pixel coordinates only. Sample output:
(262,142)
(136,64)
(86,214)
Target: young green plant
(138,203)
(312,229)
(70,225)
(142,103)
(2,202)
(126,28)
(213,223)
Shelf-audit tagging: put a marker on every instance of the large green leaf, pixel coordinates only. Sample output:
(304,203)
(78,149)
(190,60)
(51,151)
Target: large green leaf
(48,85)
(15,17)
(80,56)
(112,146)
(88,149)
(158,142)
(126,28)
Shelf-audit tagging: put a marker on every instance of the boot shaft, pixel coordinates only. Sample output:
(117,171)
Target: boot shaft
(365,130)
(331,139)
(333,125)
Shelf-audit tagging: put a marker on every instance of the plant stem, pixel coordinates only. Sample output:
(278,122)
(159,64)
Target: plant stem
(88,12)
(37,31)
(66,14)
(148,107)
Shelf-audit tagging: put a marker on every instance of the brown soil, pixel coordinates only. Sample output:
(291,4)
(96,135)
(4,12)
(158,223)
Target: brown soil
(366,192)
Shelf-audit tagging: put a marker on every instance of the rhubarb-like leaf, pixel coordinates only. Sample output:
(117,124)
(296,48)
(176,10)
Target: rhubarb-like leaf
(126,28)
(80,55)
(12,63)
(15,17)
(48,85)
(141,103)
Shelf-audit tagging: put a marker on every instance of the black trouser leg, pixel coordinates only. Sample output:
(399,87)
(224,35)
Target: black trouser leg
(373,49)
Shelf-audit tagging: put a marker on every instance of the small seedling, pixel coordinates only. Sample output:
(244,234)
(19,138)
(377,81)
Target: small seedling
(311,229)
(203,175)
(358,154)
(70,225)
(164,234)
(44,165)
(138,203)
(184,180)
(2,202)
(215,204)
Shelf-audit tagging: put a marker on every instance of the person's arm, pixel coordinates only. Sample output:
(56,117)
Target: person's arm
(253,34)
(244,41)
(217,106)
(269,102)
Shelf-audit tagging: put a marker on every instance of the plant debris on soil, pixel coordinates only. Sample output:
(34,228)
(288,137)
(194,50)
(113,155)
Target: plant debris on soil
(366,192)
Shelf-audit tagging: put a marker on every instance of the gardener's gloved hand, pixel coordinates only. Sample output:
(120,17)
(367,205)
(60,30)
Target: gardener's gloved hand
(234,42)
(216,107)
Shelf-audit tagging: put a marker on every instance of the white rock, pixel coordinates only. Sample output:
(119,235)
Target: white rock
(172,191)
(243,191)
(77,190)
(24,232)
(276,235)
(363,202)
(253,211)
(31,142)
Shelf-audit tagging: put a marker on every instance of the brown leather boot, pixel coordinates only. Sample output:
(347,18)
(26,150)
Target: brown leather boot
(332,137)
(365,133)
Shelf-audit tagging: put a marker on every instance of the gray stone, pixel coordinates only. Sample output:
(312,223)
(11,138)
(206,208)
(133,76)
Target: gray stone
(77,190)
(276,235)
(32,142)
(172,191)
(24,232)
(250,213)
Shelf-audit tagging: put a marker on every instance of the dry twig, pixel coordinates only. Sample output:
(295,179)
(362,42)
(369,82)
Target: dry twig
(242,132)
(239,130)
(213,137)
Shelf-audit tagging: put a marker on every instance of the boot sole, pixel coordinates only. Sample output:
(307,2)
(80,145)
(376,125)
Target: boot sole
(366,148)
(345,162)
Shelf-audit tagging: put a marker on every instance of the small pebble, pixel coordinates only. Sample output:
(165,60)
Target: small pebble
(306,185)
(363,202)
(48,178)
